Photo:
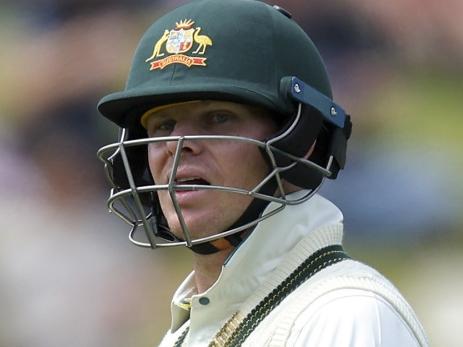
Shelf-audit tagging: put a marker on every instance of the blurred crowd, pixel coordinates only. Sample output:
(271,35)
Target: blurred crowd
(68,275)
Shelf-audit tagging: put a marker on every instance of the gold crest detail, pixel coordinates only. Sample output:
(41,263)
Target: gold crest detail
(177,43)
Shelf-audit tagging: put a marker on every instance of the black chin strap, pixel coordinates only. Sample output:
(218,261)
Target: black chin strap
(254,210)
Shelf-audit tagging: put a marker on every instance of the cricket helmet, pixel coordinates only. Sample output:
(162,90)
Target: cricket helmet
(243,51)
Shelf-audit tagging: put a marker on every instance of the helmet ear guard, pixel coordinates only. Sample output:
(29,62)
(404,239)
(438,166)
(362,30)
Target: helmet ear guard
(318,120)
(137,164)
(137,158)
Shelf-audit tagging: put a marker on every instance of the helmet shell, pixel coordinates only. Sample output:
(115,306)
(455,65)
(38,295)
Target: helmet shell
(235,50)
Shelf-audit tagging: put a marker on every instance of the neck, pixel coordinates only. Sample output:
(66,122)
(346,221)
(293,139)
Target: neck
(207,268)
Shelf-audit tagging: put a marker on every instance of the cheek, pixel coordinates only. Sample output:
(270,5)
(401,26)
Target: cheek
(156,160)
(257,168)
(245,166)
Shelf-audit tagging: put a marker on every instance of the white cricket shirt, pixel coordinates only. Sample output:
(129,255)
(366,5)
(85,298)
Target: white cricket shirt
(347,304)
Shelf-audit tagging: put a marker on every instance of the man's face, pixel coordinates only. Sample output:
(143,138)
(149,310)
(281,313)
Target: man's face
(226,163)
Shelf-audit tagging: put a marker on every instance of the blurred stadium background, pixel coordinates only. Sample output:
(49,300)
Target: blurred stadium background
(69,277)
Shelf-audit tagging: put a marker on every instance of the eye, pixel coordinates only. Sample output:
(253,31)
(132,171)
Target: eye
(220,117)
(161,127)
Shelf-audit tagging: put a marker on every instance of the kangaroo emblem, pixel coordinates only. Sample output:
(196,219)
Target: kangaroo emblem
(158,46)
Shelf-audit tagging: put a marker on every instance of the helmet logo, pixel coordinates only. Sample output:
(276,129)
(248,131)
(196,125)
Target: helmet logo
(178,41)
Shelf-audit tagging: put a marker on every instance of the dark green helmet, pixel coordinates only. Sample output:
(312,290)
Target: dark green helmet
(235,50)
(243,51)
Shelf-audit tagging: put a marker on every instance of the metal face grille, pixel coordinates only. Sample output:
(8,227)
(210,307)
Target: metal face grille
(133,203)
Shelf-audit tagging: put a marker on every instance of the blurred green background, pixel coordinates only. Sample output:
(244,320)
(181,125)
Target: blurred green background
(68,275)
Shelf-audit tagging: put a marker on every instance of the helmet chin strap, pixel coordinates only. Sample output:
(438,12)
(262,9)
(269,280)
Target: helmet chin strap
(252,212)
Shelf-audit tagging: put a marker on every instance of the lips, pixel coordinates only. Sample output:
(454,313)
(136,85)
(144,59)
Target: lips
(190,176)
(189,187)
(191,180)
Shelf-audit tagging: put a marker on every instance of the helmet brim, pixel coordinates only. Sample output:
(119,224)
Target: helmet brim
(125,107)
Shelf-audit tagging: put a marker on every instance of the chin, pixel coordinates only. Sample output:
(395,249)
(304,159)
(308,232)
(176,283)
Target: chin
(206,220)
(198,228)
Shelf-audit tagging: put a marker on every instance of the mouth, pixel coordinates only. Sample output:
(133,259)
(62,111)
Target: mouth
(191,181)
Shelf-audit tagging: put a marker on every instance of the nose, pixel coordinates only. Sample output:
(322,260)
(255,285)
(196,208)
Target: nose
(184,128)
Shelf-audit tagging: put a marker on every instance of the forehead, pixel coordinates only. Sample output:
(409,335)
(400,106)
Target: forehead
(199,107)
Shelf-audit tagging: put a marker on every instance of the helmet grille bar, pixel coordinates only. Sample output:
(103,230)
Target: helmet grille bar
(171,189)
(147,226)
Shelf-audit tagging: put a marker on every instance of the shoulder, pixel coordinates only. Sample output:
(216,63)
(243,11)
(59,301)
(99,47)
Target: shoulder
(347,304)
(351,317)
(355,302)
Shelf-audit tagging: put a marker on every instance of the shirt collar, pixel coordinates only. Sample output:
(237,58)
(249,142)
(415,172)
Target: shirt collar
(260,254)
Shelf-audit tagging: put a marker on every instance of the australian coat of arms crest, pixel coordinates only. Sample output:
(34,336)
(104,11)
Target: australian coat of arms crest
(174,44)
